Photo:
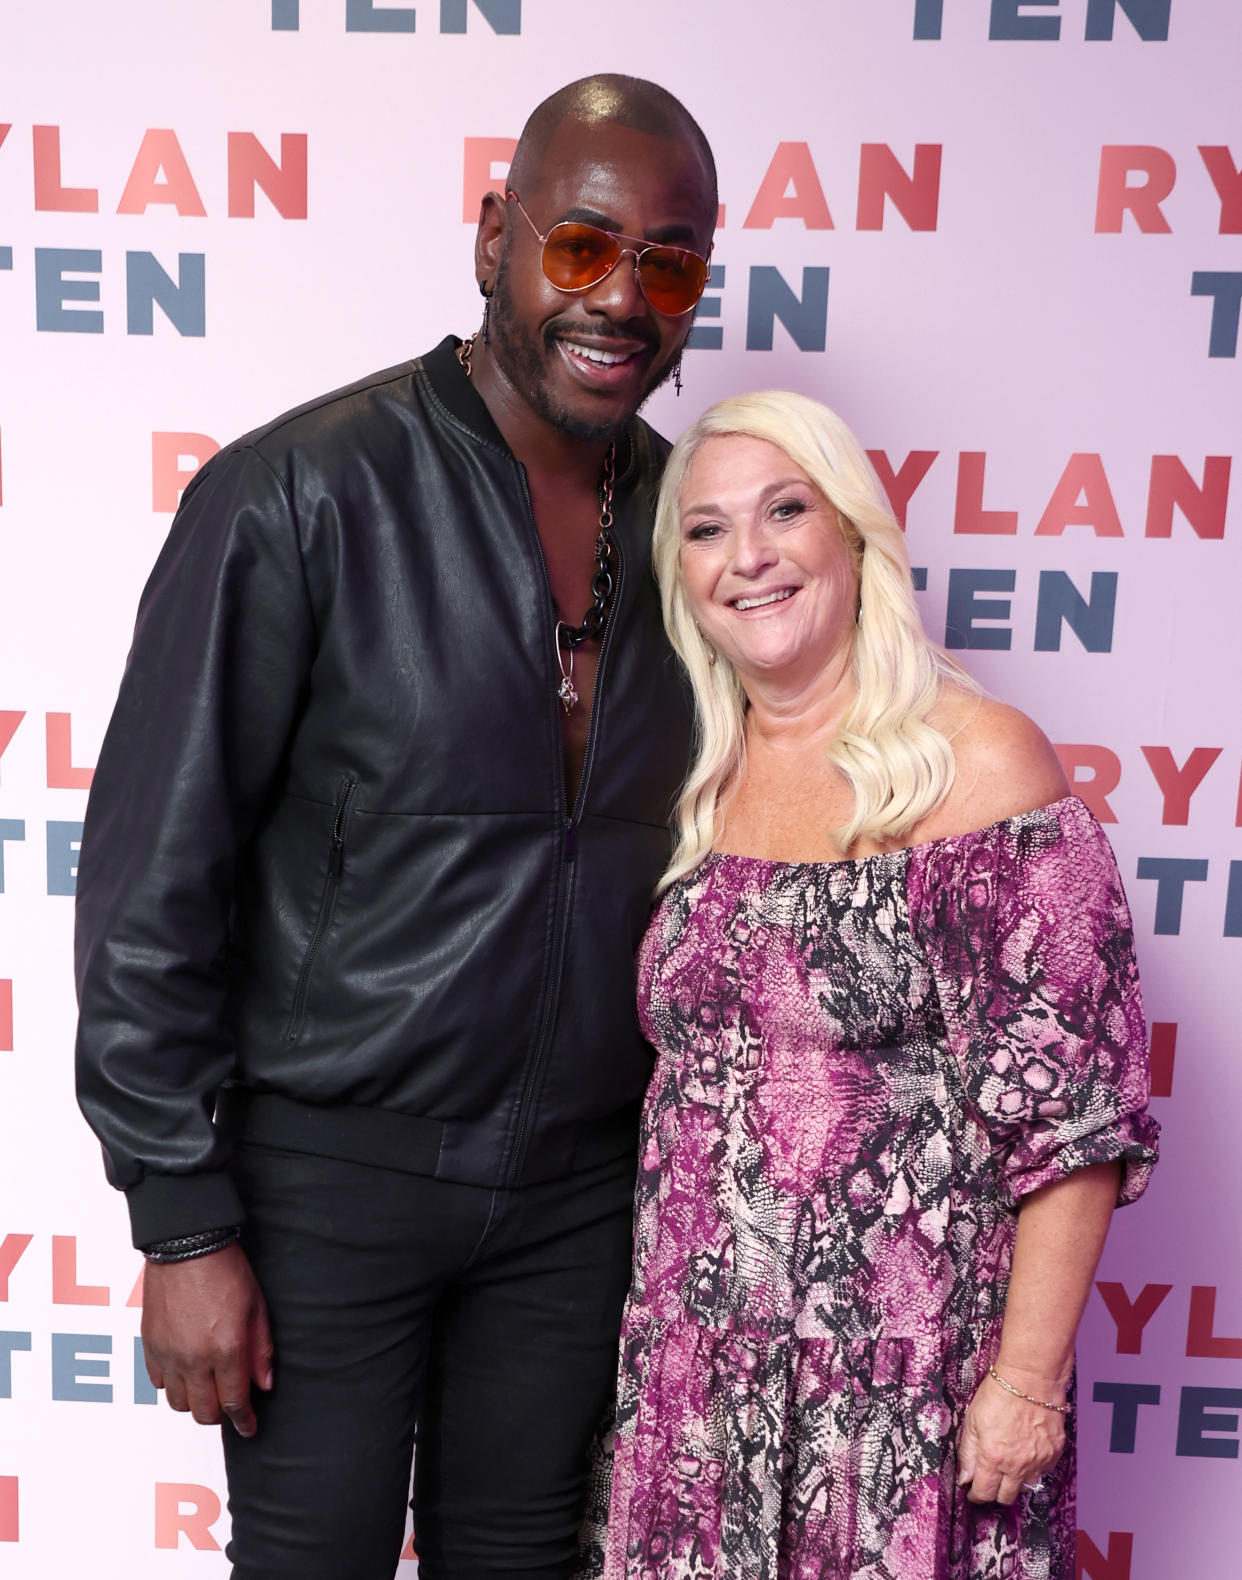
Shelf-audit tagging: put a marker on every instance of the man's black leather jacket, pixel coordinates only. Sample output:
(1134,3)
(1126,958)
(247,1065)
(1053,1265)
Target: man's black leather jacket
(328,864)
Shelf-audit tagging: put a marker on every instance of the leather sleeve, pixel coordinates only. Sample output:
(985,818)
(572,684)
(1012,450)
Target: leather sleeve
(220,659)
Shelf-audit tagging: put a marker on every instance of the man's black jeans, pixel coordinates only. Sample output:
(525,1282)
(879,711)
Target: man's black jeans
(483,1323)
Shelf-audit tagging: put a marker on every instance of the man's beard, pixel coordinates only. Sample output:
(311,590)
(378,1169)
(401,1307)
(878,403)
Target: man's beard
(520,357)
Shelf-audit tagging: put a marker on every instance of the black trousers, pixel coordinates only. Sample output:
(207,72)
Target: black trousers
(481,1323)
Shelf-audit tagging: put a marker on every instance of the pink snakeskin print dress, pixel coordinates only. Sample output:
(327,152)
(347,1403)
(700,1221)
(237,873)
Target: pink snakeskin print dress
(862,1067)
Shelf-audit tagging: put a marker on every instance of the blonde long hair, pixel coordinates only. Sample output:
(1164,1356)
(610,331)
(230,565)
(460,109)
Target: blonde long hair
(899,767)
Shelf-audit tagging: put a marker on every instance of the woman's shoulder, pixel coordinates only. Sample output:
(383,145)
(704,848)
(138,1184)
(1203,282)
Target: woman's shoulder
(1004,764)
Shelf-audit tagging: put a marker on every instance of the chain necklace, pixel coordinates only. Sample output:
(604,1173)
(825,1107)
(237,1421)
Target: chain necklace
(568,636)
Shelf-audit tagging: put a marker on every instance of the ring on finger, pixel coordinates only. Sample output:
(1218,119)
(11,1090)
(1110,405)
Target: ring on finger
(1033,1486)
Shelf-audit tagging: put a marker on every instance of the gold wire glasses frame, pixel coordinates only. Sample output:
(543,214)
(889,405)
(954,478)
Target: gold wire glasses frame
(576,256)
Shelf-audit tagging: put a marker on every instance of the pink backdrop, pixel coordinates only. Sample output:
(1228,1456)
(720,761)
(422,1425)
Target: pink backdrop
(932,222)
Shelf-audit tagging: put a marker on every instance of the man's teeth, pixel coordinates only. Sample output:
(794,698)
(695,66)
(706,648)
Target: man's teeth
(754,603)
(597,354)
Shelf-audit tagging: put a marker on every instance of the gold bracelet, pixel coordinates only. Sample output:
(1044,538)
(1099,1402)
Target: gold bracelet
(1061,1409)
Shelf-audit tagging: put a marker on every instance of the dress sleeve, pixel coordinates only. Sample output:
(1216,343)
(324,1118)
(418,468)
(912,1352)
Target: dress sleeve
(1028,935)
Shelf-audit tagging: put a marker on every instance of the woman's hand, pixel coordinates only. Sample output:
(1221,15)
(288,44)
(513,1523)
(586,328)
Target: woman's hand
(1007,1443)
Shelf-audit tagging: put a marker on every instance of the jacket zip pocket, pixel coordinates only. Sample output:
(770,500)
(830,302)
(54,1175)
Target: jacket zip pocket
(327,904)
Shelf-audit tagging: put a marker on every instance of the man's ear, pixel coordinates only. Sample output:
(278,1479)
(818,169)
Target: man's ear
(489,238)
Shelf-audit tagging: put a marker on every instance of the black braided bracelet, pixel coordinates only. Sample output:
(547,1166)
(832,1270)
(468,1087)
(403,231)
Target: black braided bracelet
(187,1246)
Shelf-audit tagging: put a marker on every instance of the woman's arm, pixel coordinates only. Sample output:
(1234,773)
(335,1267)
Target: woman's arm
(1007,1442)
(1039,956)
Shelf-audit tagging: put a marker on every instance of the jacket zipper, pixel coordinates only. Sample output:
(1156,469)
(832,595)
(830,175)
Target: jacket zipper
(570,820)
(327,904)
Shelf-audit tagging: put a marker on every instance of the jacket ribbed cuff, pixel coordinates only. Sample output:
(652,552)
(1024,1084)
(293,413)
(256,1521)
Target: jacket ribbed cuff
(166,1206)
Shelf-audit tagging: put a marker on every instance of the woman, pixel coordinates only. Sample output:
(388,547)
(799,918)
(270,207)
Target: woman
(901,1065)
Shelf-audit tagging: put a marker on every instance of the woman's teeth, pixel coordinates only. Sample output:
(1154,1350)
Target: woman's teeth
(754,603)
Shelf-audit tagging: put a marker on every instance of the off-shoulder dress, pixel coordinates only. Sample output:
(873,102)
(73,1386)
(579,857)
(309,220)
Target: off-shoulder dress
(862,1066)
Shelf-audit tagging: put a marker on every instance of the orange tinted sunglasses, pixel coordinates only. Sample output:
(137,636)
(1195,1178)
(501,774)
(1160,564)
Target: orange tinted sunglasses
(575,257)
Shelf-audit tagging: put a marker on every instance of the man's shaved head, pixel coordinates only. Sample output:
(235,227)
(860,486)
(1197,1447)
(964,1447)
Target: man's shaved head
(625,101)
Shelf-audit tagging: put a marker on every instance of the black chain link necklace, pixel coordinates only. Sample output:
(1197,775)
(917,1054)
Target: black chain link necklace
(568,637)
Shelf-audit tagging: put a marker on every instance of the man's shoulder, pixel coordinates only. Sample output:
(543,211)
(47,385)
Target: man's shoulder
(340,415)
(324,436)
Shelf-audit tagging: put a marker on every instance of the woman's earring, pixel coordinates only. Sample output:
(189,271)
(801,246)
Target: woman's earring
(677,376)
(487,303)
(711,651)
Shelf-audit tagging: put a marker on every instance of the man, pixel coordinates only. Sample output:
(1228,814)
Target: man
(372,837)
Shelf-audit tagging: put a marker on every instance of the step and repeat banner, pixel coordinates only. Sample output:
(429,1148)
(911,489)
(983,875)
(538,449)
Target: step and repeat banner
(1002,237)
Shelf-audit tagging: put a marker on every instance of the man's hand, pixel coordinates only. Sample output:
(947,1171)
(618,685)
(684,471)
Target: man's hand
(1007,1443)
(206,1337)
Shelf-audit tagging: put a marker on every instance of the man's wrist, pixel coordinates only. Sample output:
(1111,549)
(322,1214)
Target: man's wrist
(186,1247)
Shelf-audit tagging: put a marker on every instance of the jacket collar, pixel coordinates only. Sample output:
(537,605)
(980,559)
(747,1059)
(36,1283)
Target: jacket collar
(455,391)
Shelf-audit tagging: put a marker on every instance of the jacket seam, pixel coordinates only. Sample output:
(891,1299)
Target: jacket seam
(292,514)
(507,812)
(310,800)
(278,424)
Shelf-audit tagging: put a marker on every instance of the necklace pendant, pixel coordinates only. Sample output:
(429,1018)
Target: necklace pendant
(565,691)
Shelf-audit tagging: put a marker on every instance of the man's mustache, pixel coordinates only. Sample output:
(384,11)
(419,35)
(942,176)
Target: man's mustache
(597,329)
